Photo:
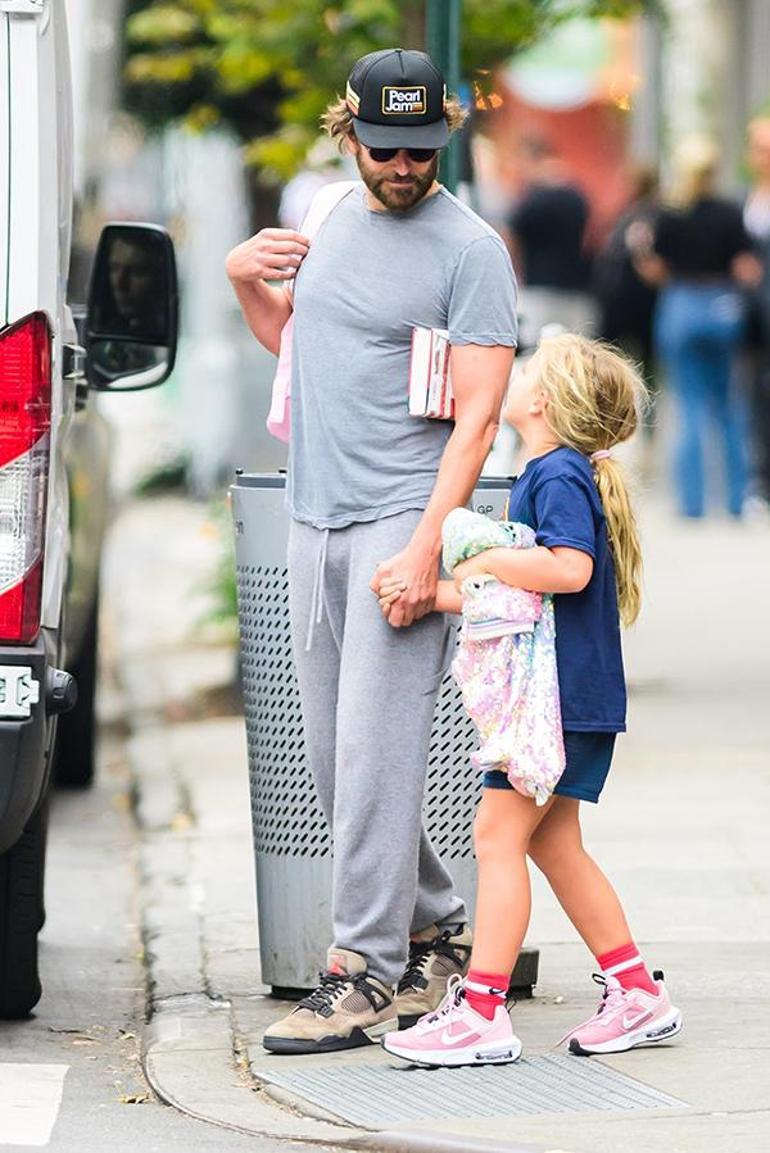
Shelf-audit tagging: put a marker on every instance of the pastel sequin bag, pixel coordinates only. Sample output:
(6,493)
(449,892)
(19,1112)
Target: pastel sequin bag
(506,661)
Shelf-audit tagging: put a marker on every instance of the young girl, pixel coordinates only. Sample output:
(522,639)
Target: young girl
(573,403)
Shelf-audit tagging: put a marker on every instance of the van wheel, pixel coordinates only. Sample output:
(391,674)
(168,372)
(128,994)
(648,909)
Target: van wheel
(21,882)
(75,739)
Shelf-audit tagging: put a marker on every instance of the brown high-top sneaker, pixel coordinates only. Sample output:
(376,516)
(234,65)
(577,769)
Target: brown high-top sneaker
(434,955)
(348,1008)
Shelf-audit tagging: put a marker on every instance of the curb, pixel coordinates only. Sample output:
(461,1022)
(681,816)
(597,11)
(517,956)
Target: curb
(177,1042)
(429,1143)
(190,1063)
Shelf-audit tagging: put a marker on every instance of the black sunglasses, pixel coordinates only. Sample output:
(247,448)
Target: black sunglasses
(419,155)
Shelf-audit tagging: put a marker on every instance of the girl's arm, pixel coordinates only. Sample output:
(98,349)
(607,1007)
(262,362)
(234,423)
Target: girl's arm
(448,598)
(538,569)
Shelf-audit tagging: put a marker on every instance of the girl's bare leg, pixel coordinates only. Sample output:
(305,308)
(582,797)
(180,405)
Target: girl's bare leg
(504,824)
(582,889)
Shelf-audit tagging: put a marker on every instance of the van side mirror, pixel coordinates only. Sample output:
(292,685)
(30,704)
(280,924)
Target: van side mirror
(132,317)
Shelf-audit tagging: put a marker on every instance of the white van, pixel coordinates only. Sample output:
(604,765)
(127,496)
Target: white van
(54,455)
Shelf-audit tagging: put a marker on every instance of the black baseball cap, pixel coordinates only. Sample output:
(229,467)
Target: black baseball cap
(397,99)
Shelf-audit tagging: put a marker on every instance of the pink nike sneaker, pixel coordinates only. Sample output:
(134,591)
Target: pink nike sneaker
(456,1035)
(626,1019)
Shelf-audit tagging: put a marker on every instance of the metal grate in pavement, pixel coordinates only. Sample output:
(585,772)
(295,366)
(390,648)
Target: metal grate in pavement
(375,1096)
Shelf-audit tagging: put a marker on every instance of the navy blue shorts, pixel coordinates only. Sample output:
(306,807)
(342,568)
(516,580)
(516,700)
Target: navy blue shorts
(589,756)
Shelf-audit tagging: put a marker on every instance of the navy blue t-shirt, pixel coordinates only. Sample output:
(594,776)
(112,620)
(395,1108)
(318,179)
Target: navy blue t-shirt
(556,495)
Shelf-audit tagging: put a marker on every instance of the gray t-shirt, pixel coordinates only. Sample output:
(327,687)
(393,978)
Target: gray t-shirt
(369,278)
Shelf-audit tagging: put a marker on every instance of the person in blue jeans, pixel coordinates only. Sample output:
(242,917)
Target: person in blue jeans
(702,258)
(699,330)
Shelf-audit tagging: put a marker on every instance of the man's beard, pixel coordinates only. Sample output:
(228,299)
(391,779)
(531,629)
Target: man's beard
(397,193)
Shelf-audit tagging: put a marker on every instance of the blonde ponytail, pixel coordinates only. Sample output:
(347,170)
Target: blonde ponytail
(623,536)
(593,400)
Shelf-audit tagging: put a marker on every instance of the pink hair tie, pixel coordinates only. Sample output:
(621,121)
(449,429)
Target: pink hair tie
(600,454)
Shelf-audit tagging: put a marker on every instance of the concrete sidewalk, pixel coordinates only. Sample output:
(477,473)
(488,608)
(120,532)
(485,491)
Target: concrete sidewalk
(682,832)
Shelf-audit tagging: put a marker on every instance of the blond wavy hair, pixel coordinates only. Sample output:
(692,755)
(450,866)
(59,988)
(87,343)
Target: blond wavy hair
(694,165)
(338,122)
(594,398)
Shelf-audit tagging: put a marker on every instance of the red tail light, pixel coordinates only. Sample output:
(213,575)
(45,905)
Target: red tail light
(25,423)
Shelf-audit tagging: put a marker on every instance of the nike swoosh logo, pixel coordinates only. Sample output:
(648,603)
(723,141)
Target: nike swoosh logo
(629,1023)
(448,1039)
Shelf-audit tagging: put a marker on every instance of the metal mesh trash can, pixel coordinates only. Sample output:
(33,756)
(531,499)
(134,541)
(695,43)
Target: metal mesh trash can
(292,843)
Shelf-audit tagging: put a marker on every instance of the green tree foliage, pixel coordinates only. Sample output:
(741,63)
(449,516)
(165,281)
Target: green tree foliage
(267,68)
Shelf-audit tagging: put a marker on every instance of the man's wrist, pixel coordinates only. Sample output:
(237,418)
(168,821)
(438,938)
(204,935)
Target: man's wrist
(427,540)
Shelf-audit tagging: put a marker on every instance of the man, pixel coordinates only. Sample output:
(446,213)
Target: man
(547,230)
(369,487)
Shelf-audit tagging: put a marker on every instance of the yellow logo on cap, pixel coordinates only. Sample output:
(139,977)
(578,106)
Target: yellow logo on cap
(404,101)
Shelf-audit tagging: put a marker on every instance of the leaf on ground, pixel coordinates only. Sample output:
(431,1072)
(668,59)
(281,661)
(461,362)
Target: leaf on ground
(76,1036)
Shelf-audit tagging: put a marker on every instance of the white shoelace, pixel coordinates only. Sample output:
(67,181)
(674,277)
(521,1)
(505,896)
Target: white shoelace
(612,998)
(455,992)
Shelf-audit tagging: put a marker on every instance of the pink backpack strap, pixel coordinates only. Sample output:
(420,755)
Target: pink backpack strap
(322,205)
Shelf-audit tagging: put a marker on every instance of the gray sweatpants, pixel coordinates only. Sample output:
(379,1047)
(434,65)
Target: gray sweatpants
(368,692)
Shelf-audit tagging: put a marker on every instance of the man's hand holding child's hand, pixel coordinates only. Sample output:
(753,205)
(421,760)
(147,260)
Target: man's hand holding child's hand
(448,593)
(389,592)
(415,570)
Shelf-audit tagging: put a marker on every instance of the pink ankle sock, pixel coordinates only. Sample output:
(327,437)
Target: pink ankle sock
(485,991)
(627,966)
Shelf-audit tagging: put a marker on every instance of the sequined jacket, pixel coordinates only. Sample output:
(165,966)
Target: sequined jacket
(506,660)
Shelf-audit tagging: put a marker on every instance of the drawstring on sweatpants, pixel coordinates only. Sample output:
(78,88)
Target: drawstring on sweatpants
(317,601)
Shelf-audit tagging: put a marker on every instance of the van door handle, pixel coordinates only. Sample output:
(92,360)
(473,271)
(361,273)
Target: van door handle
(73,368)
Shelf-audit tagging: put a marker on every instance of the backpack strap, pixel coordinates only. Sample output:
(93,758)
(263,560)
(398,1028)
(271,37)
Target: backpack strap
(323,204)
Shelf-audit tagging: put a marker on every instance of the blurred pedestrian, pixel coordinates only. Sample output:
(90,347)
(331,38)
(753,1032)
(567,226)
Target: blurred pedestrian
(626,300)
(756,217)
(575,402)
(548,229)
(323,166)
(702,257)
(369,487)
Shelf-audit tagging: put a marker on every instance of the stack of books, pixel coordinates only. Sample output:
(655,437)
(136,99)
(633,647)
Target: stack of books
(430,381)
